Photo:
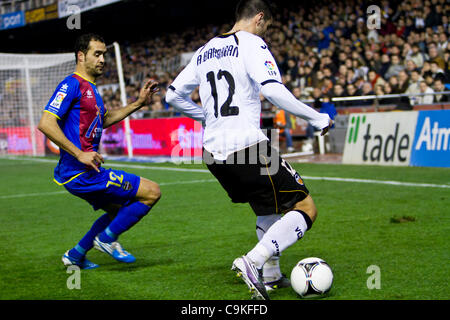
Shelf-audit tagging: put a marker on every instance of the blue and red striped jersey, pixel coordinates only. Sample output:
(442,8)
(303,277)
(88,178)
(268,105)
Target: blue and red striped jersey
(80,111)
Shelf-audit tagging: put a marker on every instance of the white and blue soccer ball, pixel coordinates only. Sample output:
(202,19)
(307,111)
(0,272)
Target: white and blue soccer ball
(311,277)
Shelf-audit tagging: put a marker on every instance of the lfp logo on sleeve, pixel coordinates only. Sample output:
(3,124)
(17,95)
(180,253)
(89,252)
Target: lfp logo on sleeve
(271,67)
(56,103)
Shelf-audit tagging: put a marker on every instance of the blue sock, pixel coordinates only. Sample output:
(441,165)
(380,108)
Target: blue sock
(127,217)
(86,243)
(107,235)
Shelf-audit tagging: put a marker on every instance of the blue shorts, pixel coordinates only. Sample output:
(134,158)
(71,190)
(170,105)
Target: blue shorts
(105,187)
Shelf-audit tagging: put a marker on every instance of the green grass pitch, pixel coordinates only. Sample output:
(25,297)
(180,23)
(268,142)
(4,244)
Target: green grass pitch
(186,245)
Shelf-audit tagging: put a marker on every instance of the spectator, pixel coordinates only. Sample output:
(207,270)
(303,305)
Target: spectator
(417,56)
(414,86)
(395,67)
(440,87)
(434,56)
(324,41)
(283,124)
(318,79)
(393,81)
(388,90)
(327,86)
(436,71)
(426,69)
(375,79)
(429,80)
(328,107)
(292,68)
(403,81)
(352,92)
(410,66)
(366,91)
(338,92)
(309,78)
(379,92)
(425,99)
(432,19)
(447,65)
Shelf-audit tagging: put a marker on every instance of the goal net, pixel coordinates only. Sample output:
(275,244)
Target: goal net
(27,82)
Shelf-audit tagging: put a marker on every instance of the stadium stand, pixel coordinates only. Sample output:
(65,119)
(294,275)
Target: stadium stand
(324,49)
(329,48)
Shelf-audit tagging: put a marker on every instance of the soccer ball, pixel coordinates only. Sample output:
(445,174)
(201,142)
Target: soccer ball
(311,277)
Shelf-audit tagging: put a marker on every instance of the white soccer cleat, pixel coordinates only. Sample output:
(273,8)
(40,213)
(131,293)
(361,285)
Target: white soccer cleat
(115,250)
(246,270)
(82,263)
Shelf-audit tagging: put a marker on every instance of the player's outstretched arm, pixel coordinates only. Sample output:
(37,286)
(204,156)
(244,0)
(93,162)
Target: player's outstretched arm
(281,97)
(185,105)
(114,116)
(49,126)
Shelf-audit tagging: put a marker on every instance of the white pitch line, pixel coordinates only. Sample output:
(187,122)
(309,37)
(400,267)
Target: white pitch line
(394,183)
(37,194)
(337,179)
(134,166)
(112,164)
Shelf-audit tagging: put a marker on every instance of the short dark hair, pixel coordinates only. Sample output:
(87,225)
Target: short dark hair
(247,9)
(82,43)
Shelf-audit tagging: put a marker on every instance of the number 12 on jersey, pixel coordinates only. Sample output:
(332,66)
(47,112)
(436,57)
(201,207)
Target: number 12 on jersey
(225,110)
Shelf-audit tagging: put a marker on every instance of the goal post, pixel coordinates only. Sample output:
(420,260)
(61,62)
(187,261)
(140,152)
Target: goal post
(123,97)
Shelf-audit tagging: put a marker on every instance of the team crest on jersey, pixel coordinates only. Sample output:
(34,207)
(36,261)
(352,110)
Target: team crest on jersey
(298,179)
(56,103)
(89,94)
(127,186)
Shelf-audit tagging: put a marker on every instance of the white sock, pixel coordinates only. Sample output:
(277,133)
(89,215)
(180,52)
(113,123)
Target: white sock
(263,223)
(281,235)
(271,269)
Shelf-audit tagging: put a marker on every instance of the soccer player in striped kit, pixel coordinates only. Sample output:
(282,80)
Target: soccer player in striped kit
(74,119)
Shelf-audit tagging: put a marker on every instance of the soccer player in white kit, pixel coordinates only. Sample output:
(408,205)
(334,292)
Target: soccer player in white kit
(232,70)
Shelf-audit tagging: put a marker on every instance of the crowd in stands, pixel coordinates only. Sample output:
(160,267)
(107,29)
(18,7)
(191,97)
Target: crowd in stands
(326,50)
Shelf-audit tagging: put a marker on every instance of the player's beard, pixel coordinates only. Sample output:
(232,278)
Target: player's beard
(96,71)
(99,70)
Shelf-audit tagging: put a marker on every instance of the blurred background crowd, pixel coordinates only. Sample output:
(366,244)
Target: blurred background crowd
(323,51)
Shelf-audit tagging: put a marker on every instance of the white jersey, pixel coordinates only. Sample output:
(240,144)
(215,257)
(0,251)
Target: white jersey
(230,70)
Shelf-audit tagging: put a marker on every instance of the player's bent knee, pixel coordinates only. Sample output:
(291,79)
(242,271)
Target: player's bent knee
(308,206)
(149,192)
(154,192)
